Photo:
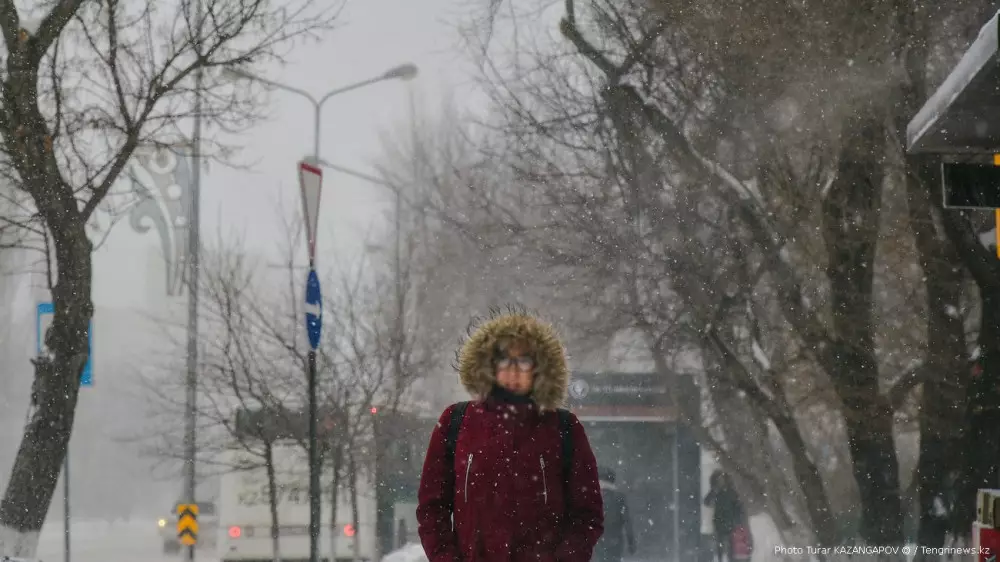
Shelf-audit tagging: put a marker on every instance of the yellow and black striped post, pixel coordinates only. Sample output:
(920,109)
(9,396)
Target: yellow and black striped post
(187,524)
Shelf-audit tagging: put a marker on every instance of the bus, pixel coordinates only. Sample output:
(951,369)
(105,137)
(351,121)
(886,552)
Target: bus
(634,430)
(245,518)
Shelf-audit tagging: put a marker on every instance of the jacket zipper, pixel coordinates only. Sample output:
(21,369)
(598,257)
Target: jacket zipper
(468,467)
(545,486)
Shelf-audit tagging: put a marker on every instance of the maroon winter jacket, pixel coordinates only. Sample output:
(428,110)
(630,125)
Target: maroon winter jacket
(506,487)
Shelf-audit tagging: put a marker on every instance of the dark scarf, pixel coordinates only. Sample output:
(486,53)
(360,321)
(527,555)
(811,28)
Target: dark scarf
(505,396)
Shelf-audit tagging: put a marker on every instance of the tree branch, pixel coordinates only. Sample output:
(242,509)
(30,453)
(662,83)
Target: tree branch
(10,24)
(905,384)
(52,27)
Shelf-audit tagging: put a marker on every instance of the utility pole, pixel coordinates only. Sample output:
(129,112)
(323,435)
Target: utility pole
(66,512)
(194,250)
(675,476)
(398,271)
(398,267)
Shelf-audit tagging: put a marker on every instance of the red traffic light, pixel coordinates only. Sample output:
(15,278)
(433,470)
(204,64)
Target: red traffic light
(348,530)
(374,410)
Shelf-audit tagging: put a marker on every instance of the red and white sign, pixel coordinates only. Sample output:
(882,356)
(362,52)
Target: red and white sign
(311,183)
(985,542)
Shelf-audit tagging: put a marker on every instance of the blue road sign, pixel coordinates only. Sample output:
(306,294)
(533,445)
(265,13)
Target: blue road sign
(314,309)
(42,322)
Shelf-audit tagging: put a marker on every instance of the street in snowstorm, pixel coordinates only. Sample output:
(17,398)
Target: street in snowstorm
(499,281)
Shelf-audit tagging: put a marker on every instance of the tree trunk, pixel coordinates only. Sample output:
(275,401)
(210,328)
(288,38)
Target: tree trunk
(55,389)
(272,501)
(27,142)
(354,508)
(850,223)
(944,383)
(336,461)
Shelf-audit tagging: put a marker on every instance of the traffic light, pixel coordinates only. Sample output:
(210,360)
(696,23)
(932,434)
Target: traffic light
(349,530)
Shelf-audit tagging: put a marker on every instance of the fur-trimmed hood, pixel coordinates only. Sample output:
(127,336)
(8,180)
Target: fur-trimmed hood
(476,355)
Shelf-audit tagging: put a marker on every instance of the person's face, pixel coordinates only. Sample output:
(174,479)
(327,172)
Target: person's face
(515,370)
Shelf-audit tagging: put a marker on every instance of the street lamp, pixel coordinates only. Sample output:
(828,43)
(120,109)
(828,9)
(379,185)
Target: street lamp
(404,72)
(310,179)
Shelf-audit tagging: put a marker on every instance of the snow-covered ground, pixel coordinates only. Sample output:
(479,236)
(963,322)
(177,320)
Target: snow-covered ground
(409,553)
(765,538)
(139,541)
(764,532)
(100,541)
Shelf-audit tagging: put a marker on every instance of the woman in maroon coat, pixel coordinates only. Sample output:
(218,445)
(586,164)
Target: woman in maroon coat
(505,488)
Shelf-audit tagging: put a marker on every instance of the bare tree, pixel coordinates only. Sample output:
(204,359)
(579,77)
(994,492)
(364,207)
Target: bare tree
(249,384)
(252,368)
(902,61)
(82,89)
(254,360)
(895,69)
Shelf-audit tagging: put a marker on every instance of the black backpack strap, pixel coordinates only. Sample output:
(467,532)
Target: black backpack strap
(566,432)
(457,414)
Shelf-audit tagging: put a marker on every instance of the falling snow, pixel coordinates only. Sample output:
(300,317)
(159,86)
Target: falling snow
(718,232)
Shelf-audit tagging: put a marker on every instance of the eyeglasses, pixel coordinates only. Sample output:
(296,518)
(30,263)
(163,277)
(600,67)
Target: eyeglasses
(523,363)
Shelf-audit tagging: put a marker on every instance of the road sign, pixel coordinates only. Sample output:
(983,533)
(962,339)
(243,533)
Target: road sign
(187,523)
(311,183)
(43,319)
(314,309)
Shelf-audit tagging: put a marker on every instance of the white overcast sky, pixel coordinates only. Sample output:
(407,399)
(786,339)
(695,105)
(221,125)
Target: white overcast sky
(374,35)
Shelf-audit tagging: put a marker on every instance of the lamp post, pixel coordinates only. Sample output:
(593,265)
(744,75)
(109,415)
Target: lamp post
(402,72)
(310,179)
